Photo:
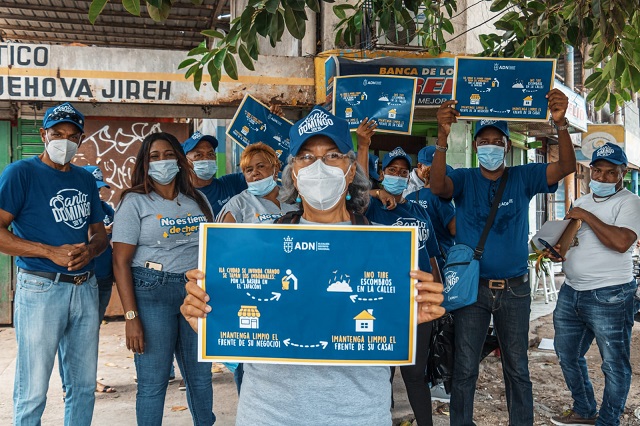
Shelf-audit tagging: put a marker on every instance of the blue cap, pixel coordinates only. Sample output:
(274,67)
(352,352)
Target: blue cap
(195,138)
(498,124)
(373,167)
(610,152)
(63,113)
(396,153)
(425,155)
(97,175)
(320,122)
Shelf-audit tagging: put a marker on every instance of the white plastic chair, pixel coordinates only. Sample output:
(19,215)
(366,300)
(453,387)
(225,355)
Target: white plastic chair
(543,282)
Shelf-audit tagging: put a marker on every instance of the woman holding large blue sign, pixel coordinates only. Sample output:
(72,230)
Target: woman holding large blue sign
(155,241)
(323,176)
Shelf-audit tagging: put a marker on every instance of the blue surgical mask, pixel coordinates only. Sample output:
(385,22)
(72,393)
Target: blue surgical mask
(163,171)
(602,189)
(205,169)
(394,184)
(491,157)
(261,187)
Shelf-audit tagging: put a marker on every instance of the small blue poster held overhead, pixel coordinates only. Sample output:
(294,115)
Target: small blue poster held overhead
(308,294)
(389,100)
(253,122)
(503,89)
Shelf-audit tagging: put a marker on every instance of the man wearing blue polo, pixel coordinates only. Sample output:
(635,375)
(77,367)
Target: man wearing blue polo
(55,211)
(201,152)
(504,291)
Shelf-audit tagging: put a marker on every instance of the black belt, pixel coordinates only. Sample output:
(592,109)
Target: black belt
(64,278)
(505,283)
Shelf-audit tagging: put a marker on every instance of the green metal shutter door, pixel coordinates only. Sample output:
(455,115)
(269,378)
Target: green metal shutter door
(28,141)
(6,264)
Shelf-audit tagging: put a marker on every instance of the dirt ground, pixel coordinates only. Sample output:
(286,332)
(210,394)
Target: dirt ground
(116,368)
(550,394)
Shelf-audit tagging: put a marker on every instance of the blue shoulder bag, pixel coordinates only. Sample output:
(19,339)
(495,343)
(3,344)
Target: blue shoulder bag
(461,272)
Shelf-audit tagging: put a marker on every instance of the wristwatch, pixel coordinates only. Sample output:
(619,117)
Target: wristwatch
(565,126)
(129,315)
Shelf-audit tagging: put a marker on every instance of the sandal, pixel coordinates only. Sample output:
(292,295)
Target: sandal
(104,388)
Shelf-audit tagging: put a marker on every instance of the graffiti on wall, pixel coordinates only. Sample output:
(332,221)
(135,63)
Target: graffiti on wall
(113,145)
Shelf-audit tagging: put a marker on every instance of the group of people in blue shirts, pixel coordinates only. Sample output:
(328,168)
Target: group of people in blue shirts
(174,188)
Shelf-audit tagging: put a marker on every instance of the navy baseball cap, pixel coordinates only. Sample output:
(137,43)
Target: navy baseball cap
(97,175)
(498,124)
(373,166)
(195,138)
(396,153)
(320,122)
(425,155)
(610,152)
(63,113)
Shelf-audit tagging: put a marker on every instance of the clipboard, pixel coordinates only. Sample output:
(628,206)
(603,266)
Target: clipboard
(562,232)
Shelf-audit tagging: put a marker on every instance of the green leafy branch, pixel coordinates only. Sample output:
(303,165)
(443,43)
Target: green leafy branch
(607,30)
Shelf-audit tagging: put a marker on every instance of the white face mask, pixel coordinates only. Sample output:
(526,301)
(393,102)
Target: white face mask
(321,186)
(61,151)
(163,171)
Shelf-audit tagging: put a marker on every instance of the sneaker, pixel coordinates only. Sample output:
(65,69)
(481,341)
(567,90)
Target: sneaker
(182,386)
(438,393)
(569,417)
(172,379)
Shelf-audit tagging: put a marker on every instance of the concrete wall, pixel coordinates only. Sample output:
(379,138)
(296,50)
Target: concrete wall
(477,14)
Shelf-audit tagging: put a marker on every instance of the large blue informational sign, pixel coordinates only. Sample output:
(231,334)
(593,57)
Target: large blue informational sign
(253,122)
(308,294)
(503,89)
(388,100)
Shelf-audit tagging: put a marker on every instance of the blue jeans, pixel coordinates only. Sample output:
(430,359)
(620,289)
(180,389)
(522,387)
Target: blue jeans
(510,309)
(605,314)
(105,286)
(49,314)
(238,374)
(159,296)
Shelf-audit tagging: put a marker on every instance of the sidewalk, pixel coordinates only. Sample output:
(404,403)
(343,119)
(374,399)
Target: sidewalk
(116,369)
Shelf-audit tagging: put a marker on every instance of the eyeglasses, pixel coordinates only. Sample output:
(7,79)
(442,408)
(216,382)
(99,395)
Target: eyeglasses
(395,171)
(330,158)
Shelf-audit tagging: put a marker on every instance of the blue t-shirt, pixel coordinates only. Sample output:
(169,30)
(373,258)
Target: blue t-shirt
(441,212)
(505,251)
(50,207)
(103,263)
(219,191)
(408,214)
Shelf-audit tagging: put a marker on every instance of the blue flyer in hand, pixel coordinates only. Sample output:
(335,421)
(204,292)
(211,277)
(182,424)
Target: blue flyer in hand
(253,122)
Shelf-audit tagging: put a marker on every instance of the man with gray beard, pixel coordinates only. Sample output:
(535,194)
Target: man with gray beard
(55,212)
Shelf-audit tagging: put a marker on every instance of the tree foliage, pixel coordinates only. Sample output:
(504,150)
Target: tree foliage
(608,29)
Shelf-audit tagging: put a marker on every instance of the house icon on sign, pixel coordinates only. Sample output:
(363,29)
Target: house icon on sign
(364,321)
